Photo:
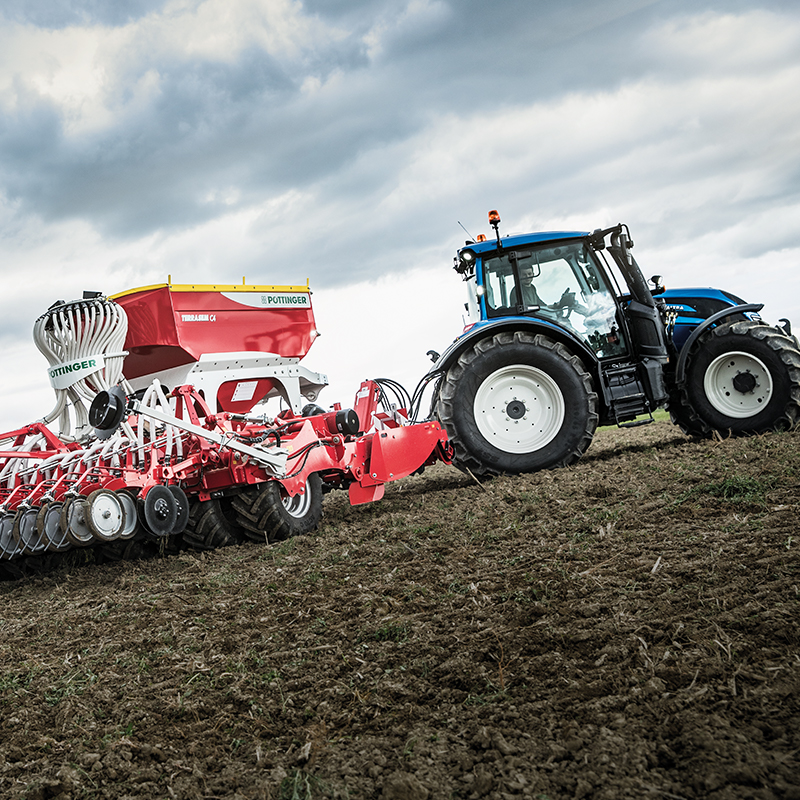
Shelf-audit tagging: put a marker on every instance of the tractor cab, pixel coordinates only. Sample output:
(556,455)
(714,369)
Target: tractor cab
(558,282)
(558,279)
(583,291)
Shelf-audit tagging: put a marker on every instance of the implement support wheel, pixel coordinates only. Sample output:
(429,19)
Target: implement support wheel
(266,513)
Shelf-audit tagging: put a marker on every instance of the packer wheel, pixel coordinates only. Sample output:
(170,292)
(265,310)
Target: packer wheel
(212,524)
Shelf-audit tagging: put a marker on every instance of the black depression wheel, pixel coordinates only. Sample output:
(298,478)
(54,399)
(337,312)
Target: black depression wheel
(158,511)
(265,512)
(183,508)
(517,403)
(743,377)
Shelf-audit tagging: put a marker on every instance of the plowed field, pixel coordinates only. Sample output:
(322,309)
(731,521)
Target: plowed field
(624,628)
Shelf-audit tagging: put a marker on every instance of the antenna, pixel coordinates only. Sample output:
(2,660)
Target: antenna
(466,231)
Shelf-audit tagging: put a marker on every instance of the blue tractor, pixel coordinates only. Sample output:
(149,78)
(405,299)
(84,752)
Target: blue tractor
(565,334)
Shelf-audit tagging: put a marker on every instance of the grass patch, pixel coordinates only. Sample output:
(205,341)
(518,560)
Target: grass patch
(75,683)
(736,489)
(388,632)
(299,785)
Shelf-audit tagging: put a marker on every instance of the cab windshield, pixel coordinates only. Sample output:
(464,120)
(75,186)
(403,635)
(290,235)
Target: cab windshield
(560,283)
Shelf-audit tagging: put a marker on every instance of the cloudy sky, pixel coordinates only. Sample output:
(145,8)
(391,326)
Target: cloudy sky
(342,141)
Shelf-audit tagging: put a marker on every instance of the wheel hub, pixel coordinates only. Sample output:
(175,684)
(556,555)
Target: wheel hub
(299,504)
(515,409)
(738,384)
(744,382)
(161,508)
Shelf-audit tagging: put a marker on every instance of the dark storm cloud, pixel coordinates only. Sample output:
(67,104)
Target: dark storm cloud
(218,135)
(245,123)
(210,125)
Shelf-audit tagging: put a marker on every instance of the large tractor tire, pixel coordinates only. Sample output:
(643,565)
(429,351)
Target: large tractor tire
(517,403)
(741,378)
(211,524)
(267,514)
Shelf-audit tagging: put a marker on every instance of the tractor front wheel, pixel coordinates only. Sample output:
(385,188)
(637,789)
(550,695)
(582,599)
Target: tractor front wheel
(517,403)
(741,378)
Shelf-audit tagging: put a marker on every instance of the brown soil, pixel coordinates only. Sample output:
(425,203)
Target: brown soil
(625,628)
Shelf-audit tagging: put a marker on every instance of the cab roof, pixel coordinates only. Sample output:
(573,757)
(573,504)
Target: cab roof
(517,239)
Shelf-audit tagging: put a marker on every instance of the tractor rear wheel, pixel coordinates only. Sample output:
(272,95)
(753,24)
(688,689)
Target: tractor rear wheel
(266,513)
(515,403)
(741,378)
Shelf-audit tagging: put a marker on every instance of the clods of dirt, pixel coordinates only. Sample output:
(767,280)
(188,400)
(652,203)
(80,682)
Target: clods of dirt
(624,628)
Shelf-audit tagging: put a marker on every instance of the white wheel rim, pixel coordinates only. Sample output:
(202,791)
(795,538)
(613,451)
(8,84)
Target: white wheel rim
(107,515)
(738,385)
(298,505)
(519,409)
(131,518)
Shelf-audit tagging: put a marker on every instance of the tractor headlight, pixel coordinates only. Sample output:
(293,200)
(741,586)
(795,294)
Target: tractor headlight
(465,262)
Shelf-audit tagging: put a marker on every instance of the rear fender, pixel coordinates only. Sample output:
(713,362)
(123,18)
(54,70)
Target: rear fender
(714,319)
(532,326)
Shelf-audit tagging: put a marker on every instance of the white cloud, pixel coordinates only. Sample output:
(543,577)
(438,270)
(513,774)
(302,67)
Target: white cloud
(94,73)
(59,65)
(730,45)
(219,30)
